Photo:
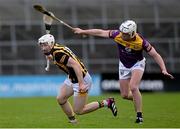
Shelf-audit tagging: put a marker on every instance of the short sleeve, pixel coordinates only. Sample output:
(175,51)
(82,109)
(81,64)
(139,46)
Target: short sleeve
(61,57)
(113,33)
(146,45)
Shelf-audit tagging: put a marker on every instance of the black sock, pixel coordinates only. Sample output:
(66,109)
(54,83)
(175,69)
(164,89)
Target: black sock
(139,114)
(72,118)
(101,104)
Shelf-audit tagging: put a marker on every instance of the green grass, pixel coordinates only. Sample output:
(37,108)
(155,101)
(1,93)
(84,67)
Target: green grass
(161,110)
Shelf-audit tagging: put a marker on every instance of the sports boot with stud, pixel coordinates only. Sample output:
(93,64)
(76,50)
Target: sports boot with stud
(112,106)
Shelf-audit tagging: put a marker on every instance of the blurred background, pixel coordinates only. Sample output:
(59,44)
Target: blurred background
(21,26)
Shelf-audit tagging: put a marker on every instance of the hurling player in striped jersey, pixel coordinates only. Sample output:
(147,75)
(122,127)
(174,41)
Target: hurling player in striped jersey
(77,83)
(131,60)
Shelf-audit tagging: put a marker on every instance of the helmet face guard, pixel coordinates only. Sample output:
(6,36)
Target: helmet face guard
(47,38)
(128,27)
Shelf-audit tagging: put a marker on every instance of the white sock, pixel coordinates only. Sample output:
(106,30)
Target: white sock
(105,103)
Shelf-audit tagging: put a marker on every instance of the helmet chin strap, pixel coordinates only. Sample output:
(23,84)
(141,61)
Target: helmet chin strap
(47,65)
(48,58)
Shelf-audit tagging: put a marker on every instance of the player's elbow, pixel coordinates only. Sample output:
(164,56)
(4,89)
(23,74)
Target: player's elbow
(61,100)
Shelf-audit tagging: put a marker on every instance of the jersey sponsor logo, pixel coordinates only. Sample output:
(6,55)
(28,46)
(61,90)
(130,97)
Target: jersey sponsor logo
(128,49)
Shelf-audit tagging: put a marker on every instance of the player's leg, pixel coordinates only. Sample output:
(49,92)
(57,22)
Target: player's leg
(124,79)
(62,98)
(125,89)
(136,76)
(80,106)
(134,86)
(80,100)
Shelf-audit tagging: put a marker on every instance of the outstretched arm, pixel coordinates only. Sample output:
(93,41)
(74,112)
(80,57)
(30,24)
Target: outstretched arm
(160,62)
(93,32)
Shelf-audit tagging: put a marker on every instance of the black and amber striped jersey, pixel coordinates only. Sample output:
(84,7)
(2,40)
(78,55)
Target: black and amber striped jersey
(61,54)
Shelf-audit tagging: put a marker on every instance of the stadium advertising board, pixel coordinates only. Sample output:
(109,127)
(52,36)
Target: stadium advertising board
(24,86)
(150,82)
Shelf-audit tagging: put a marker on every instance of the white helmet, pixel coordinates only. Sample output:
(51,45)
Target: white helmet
(128,27)
(47,38)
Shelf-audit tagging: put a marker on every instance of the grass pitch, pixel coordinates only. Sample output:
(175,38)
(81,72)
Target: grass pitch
(161,110)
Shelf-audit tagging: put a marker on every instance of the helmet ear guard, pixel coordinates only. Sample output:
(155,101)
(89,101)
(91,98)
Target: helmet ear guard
(128,27)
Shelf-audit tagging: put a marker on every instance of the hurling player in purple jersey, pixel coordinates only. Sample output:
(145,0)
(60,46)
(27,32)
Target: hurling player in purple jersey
(131,60)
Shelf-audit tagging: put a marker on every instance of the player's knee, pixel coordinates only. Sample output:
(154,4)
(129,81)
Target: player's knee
(58,98)
(61,99)
(134,88)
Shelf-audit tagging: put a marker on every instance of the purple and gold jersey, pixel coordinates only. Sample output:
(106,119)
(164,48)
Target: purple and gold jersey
(130,51)
(61,54)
